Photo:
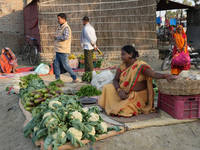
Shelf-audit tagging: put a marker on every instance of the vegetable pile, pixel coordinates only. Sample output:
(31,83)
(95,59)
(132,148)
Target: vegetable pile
(62,119)
(105,64)
(82,56)
(33,91)
(58,83)
(98,64)
(72,56)
(29,83)
(87,76)
(31,80)
(35,97)
(87,91)
(93,56)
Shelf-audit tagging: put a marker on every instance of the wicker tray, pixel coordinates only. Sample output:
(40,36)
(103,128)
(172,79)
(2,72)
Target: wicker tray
(179,87)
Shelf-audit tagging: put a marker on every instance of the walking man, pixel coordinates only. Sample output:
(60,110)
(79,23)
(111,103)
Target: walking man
(63,48)
(88,43)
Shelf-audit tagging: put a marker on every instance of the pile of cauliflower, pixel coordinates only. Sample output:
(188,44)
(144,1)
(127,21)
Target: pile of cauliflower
(61,120)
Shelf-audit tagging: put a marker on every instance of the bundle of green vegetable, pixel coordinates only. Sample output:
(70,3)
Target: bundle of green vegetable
(35,97)
(58,83)
(88,91)
(62,119)
(36,83)
(87,76)
(98,64)
(25,81)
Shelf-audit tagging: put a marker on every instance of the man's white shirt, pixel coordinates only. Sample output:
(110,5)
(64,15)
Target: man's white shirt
(88,37)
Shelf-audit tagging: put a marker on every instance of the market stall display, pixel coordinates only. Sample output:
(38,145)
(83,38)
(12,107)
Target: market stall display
(33,91)
(59,119)
(63,119)
(81,59)
(35,97)
(73,61)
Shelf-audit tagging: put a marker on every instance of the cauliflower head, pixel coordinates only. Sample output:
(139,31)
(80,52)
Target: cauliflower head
(76,133)
(93,132)
(94,117)
(51,120)
(77,115)
(35,128)
(46,115)
(104,126)
(54,102)
(85,109)
(55,135)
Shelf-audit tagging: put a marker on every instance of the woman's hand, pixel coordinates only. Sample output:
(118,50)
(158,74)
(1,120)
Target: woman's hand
(170,78)
(122,95)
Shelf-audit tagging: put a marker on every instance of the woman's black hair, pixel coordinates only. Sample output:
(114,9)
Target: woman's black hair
(130,49)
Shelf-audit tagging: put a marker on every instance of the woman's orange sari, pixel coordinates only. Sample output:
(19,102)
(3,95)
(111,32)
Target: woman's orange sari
(180,42)
(7,62)
(137,102)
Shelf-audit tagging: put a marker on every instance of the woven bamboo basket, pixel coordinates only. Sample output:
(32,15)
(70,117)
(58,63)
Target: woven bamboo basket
(179,87)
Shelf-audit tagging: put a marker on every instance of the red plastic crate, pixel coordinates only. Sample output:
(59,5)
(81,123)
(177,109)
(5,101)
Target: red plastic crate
(180,107)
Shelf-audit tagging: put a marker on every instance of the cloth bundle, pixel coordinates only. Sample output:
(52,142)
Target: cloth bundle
(181,59)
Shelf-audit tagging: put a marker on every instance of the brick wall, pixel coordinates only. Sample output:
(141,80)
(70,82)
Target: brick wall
(12,24)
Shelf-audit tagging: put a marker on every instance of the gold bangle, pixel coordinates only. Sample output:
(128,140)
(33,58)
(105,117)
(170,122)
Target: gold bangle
(166,75)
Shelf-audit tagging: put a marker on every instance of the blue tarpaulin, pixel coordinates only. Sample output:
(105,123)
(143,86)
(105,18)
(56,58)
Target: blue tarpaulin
(172,22)
(158,20)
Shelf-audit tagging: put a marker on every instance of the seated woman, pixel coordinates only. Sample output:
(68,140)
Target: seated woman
(8,61)
(132,90)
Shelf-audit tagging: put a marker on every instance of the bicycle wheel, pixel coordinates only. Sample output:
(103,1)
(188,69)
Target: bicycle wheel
(26,52)
(166,63)
(33,55)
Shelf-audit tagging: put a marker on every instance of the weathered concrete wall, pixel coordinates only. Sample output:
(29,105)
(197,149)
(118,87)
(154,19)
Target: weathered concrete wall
(12,24)
(193,28)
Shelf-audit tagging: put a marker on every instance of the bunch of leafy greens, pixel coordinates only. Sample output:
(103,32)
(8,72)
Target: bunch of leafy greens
(29,78)
(98,64)
(63,119)
(30,83)
(88,91)
(87,76)
(58,83)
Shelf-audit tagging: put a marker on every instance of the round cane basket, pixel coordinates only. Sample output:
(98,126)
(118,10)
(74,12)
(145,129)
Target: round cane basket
(179,87)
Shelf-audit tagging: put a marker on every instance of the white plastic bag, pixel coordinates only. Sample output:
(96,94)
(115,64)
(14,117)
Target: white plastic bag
(99,80)
(42,69)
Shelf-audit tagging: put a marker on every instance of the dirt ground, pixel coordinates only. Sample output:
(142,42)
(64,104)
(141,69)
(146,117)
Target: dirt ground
(184,136)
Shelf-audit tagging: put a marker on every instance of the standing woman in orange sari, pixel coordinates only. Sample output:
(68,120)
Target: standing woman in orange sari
(8,61)
(180,44)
